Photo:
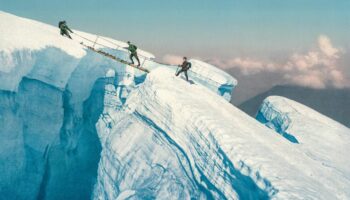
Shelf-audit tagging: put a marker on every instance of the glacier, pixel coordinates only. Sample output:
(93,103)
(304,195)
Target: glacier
(78,125)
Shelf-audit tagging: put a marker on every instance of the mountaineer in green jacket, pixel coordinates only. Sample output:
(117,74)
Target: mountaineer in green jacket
(64,29)
(133,53)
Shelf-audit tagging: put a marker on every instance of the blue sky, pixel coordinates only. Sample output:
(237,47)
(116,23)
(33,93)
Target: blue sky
(201,28)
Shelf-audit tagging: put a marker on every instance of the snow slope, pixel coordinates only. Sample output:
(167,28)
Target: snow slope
(172,140)
(51,96)
(205,74)
(318,136)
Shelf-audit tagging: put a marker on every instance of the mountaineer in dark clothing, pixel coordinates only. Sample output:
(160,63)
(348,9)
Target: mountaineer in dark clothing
(64,29)
(184,67)
(133,53)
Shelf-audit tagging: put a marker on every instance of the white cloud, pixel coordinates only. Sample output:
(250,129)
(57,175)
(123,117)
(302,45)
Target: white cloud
(326,47)
(317,68)
(172,59)
(247,66)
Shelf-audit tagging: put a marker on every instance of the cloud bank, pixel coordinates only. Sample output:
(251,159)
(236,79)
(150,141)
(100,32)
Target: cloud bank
(172,59)
(320,67)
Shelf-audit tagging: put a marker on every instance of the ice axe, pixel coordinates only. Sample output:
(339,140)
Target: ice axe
(177,69)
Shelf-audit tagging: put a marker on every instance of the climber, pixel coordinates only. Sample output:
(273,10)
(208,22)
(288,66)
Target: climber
(133,53)
(64,29)
(184,67)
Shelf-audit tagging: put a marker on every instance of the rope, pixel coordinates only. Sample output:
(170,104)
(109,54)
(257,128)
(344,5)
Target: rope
(82,37)
(94,42)
(93,46)
(177,69)
(117,45)
(145,58)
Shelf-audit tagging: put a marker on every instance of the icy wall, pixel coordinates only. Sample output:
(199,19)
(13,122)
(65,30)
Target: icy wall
(269,115)
(49,141)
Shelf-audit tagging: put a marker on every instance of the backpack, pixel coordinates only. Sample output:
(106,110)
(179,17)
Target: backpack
(60,24)
(188,65)
(134,47)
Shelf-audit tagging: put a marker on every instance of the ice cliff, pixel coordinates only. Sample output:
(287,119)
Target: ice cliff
(77,125)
